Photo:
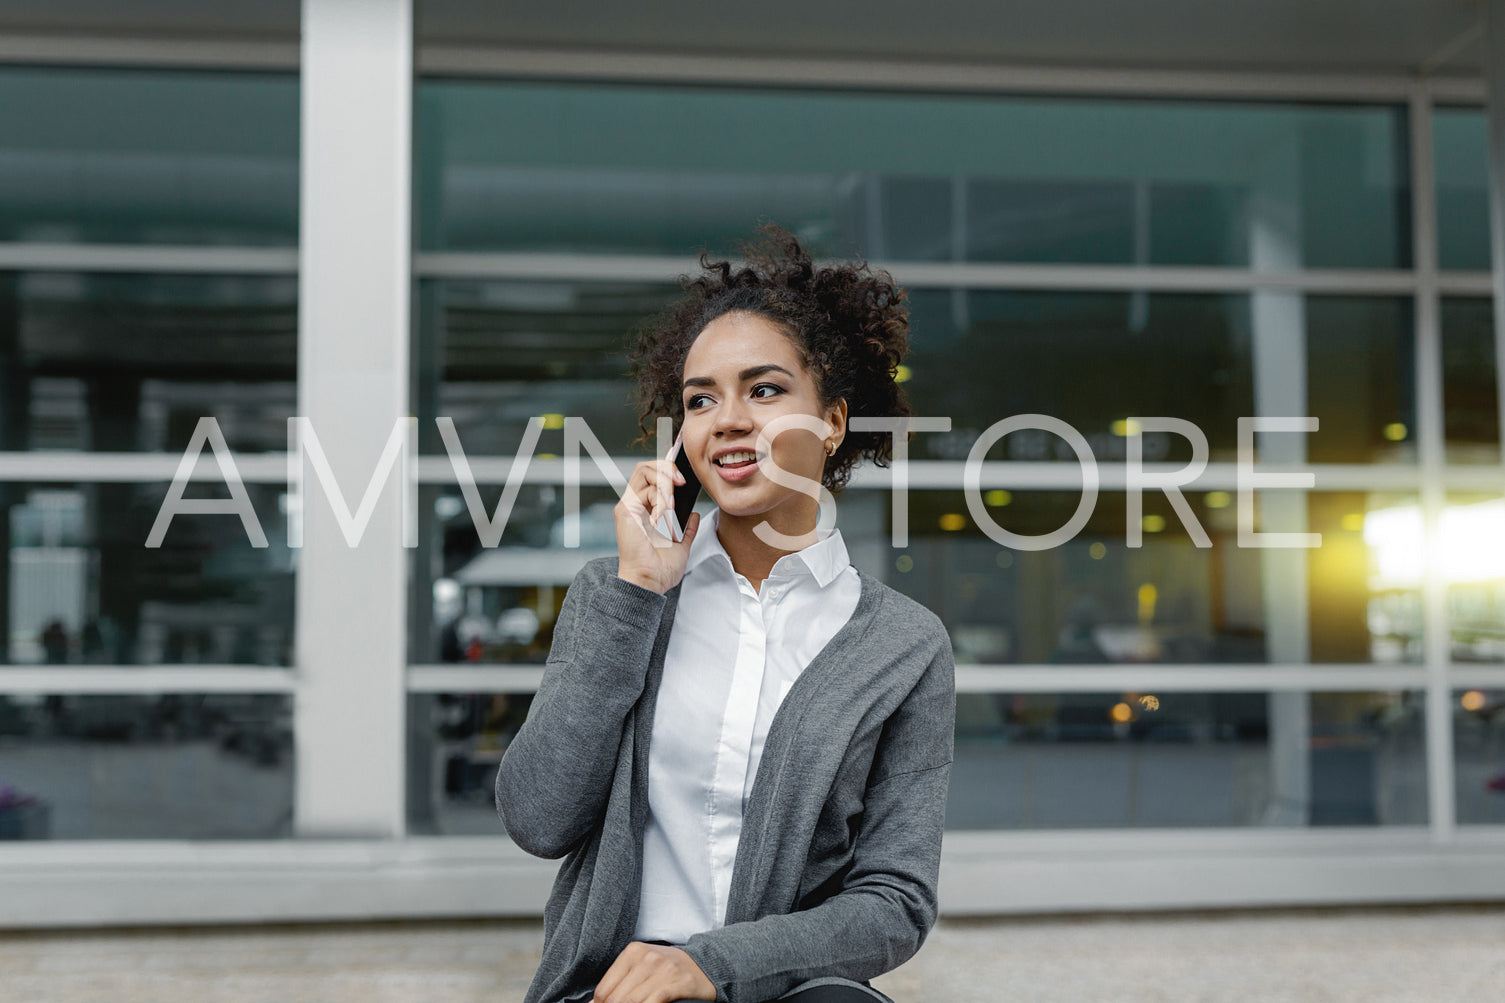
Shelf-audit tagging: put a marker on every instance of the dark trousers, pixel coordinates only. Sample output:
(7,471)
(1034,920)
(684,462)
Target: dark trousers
(829,994)
(815,994)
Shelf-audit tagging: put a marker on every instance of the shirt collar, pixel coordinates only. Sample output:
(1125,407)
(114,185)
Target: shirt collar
(824,559)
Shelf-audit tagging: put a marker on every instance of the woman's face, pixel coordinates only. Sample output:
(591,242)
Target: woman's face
(740,374)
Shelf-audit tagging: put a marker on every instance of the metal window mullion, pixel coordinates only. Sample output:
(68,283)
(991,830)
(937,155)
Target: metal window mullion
(1431,445)
(146,679)
(1142,678)
(946,475)
(594,268)
(1476,676)
(148,258)
(154,53)
(923,75)
(57,466)
(784,71)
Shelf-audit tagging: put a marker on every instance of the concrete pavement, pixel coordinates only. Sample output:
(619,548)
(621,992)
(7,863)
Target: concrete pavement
(1450,953)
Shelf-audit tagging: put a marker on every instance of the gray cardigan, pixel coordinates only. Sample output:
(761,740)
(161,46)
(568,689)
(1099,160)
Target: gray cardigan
(836,868)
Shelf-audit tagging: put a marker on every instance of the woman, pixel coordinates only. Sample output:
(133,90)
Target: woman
(740,744)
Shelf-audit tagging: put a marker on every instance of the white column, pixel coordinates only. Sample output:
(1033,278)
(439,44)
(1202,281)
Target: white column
(353,316)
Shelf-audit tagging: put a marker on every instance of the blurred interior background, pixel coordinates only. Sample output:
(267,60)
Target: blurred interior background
(359,211)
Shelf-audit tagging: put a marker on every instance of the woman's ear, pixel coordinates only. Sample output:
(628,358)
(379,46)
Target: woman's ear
(836,417)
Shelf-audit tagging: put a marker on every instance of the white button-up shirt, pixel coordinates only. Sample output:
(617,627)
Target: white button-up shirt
(733,654)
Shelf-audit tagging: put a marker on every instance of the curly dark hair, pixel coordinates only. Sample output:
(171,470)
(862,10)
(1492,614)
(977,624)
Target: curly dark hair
(848,321)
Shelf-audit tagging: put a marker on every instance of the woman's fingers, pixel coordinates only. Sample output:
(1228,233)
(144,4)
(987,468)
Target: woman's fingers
(655,479)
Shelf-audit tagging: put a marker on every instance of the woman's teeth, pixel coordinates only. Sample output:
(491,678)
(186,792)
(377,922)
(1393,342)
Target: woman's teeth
(733,459)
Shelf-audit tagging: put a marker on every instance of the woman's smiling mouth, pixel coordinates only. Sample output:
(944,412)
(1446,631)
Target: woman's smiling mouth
(736,465)
(736,459)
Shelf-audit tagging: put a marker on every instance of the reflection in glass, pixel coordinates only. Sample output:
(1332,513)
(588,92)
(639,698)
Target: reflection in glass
(455,745)
(1470,381)
(119,156)
(1089,359)
(82,587)
(490,355)
(1092,599)
(499,604)
(1360,379)
(1364,584)
(535,166)
(1372,563)
(116,362)
(1147,760)
(163,766)
(1460,152)
(1479,755)
(1471,554)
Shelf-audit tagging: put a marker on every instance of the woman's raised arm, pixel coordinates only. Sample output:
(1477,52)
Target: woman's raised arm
(551,787)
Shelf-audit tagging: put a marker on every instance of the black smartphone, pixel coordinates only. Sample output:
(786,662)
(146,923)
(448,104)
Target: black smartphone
(686,494)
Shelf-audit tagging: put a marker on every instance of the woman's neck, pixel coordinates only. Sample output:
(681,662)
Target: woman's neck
(752,557)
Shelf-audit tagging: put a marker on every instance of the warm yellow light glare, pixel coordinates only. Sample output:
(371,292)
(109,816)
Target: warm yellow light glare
(1098,551)
(902,374)
(1470,544)
(1126,427)
(1217,499)
(997,496)
(1396,431)
(953,521)
(1352,521)
(553,421)
(1154,523)
(1122,713)
(905,563)
(1472,700)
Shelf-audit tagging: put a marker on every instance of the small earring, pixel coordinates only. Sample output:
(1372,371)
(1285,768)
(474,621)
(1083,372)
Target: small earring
(830,449)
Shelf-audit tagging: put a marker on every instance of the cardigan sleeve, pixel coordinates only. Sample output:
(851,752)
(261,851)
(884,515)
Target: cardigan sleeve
(554,777)
(888,900)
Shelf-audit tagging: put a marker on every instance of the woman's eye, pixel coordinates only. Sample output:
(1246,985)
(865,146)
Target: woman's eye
(693,402)
(767,386)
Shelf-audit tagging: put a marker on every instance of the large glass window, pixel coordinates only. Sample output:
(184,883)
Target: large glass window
(1479,755)
(455,745)
(1130,760)
(1090,600)
(492,354)
(1364,585)
(82,586)
(668,170)
(597,178)
(130,362)
(1471,381)
(499,604)
(1470,554)
(158,766)
(1460,148)
(116,156)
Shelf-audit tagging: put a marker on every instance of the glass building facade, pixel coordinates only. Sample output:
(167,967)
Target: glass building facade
(1153,687)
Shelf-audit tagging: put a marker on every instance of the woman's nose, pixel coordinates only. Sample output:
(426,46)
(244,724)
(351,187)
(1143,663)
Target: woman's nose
(732,416)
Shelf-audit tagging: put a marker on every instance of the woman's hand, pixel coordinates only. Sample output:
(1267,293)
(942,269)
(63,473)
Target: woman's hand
(646,556)
(653,973)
